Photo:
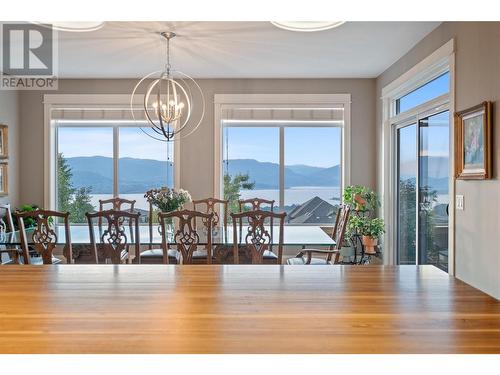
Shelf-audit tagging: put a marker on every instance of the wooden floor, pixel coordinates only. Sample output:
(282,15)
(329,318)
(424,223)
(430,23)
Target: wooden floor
(243,309)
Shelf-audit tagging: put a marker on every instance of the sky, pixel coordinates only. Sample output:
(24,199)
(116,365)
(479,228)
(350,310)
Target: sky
(434,139)
(319,146)
(99,141)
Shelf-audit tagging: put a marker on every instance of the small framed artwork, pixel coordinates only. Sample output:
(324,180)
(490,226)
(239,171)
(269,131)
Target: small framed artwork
(4,142)
(473,143)
(4,182)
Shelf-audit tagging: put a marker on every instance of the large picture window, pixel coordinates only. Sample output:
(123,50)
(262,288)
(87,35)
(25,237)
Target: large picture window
(101,160)
(294,156)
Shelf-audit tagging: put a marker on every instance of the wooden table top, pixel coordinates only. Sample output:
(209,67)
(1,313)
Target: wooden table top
(243,309)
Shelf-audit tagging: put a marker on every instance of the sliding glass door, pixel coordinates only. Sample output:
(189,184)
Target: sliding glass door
(433,190)
(422,173)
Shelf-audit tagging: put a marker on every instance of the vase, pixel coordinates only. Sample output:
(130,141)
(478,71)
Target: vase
(370,244)
(360,202)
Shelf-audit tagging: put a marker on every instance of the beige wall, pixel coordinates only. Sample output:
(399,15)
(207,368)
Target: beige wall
(9,115)
(477,78)
(197,150)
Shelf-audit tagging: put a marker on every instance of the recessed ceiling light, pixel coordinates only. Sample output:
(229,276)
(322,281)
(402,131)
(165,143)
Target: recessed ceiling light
(78,27)
(307,26)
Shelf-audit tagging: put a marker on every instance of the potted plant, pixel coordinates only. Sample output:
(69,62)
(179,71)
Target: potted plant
(360,198)
(30,222)
(369,229)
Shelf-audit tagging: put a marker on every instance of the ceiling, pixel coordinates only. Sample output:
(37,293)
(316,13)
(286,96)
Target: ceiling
(238,49)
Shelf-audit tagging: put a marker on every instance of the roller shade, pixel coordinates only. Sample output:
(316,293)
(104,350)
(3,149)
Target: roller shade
(96,114)
(283,114)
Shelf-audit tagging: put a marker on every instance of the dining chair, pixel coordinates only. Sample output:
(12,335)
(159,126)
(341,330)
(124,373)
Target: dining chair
(114,241)
(185,236)
(215,206)
(305,256)
(258,241)
(256,204)
(10,252)
(44,236)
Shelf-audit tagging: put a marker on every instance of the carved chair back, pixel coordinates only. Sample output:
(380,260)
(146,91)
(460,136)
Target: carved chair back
(115,240)
(6,226)
(255,204)
(44,236)
(117,204)
(6,221)
(258,239)
(186,237)
(339,228)
(215,206)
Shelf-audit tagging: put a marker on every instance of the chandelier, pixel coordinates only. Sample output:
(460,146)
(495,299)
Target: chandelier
(168,103)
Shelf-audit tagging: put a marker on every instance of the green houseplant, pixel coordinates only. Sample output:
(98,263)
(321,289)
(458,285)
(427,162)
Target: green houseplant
(29,222)
(369,229)
(360,198)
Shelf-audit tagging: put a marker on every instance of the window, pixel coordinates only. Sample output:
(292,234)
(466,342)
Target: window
(296,164)
(98,160)
(430,90)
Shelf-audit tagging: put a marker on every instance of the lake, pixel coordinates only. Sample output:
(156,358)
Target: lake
(295,195)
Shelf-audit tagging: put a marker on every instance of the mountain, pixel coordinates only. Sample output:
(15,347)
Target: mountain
(139,175)
(437,166)
(136,175)
(266,175)
(305,170)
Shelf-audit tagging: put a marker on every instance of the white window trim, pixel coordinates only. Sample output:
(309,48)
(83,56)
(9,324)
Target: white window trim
(55,101)
(440,61)
(269,100)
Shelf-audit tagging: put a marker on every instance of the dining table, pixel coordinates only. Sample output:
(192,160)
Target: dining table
(294,237)
(63,309)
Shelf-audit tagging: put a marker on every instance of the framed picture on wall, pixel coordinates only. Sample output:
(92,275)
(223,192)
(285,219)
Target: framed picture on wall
(473,151)
(4,142)
(4,184)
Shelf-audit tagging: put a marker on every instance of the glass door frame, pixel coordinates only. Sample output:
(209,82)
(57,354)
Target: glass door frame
(430,67)
(413,117)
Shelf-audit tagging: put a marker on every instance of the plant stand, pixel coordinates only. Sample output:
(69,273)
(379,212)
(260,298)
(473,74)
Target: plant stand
(360,255)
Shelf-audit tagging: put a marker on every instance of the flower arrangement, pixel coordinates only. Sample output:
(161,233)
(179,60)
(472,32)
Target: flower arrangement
(166,199)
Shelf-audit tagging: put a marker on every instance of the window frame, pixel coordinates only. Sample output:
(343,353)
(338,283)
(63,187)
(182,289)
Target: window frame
(436,64)
(273,100)
(83,101)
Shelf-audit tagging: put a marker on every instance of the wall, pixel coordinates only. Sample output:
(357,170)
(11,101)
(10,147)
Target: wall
(197,150)
(477,78)
(9,115)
